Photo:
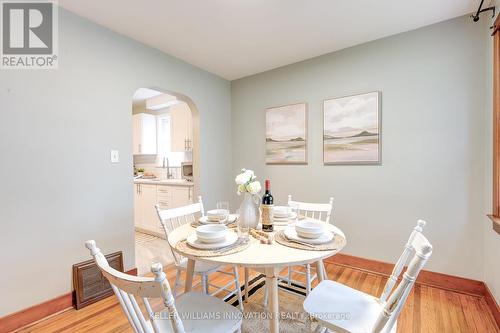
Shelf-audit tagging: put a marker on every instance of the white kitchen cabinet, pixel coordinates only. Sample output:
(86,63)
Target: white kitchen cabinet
(138,222)
(181,196)
(181,128)
(144,134)
(145,216)
(146,196)
(149,215)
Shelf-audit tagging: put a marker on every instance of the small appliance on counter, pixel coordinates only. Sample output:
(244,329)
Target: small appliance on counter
(187,171)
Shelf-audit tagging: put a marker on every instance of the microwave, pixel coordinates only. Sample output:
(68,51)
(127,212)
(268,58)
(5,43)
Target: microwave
(187,171)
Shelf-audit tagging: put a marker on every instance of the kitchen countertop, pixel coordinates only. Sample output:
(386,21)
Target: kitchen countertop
(170,182)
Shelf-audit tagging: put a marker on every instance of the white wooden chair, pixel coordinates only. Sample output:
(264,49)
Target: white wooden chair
(343,309)
(175,217)
(182,315)
(319,211)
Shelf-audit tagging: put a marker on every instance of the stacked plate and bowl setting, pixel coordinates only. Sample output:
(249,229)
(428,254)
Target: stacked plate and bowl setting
(218,216)
(309,231)
(211,237)
(213,232)
(283,215)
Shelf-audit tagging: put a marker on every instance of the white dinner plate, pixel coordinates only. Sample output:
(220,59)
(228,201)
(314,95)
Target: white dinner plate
(231,238)
(282,211)
(230,219)
(326,237)
(292,216)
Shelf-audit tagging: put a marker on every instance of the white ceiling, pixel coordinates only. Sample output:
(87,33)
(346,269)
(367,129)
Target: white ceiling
(143,94)
(237,38)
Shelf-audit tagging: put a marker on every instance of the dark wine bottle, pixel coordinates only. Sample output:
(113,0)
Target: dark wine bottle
(266,207)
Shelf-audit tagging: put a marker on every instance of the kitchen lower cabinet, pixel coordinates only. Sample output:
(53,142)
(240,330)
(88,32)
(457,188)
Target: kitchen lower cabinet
(146,196)
(149,215)
(181,196)
(138,206)
(145,216)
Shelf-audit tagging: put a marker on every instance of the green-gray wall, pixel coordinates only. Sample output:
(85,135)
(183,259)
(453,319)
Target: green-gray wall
(56,131)
(57,127)
(491,241)
(433,141)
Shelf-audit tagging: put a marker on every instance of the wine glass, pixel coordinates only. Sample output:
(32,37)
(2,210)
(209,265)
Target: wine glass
(294,209)
(223,208)
(243,228)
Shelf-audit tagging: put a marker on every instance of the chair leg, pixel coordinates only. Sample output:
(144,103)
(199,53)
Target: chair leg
(325,274)
(246,283)
(204,283)
(319,329)
(308,279)
(266,294)
(237,285)
(177,282)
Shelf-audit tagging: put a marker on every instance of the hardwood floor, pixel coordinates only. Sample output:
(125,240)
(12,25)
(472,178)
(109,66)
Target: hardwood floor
(428,309)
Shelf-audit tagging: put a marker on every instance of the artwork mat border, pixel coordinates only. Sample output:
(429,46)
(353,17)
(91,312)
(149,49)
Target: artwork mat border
(306,115)
(379,120)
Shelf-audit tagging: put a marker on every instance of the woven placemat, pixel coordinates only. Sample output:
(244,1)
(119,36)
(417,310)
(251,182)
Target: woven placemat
(336,243)
(184,247)
(230,225)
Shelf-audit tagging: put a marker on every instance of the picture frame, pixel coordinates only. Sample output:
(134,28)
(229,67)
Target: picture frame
(286,134)
(352,129)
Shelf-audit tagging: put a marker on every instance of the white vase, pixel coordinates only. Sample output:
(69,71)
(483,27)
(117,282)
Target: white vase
(249,211)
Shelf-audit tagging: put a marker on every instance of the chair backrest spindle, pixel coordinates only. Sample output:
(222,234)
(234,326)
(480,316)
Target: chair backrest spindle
(402,261)
(319,211)
(421,249)
(175,217)
(127,287)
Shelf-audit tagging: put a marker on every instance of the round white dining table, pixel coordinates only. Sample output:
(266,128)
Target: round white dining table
(267,258)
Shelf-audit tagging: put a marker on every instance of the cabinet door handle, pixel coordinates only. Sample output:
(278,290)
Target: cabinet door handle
(140,148)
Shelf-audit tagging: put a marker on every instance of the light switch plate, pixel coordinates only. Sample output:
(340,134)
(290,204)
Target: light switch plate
(115,156)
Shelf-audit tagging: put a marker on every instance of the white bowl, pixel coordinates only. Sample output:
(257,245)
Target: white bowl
(310,228)
(217,214)
(211,233)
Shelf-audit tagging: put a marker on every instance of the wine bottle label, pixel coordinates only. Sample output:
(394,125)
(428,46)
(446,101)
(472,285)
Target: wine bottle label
(267,222)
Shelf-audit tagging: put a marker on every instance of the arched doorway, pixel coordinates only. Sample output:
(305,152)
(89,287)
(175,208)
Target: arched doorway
(165,127)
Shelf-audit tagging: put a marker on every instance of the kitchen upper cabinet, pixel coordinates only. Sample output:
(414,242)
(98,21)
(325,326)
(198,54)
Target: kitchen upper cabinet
(144,134)
(181,128)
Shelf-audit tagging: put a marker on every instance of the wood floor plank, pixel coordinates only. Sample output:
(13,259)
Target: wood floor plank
(427,310)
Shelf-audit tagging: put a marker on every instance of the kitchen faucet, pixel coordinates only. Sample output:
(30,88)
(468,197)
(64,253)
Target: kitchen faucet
(169,173)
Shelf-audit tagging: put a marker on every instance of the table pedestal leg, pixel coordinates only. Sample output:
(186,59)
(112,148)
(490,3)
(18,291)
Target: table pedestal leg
(320,270)
(189,275)
(273,305)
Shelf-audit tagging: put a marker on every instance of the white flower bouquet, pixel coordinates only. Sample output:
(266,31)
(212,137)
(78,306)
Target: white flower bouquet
(247,182)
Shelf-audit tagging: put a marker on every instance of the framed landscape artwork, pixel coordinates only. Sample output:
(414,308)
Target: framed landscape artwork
(286,134)
(351,129)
